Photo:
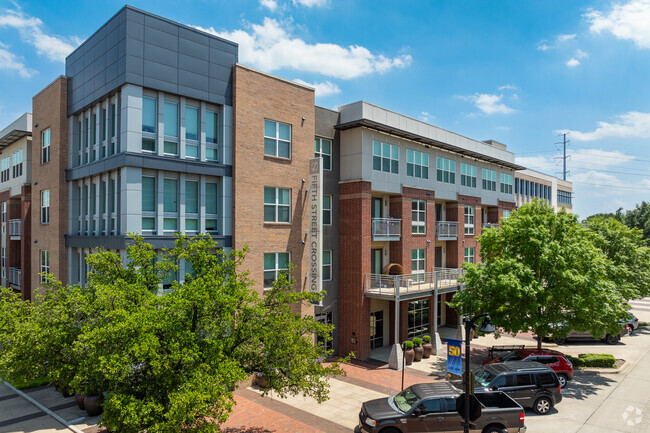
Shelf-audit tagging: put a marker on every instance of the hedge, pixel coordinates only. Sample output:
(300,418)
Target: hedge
(602,360)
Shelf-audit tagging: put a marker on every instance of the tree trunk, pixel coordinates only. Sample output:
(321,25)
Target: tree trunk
(539,342)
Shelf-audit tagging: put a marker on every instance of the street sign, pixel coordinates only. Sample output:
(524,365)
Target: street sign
(474,407)
(454,357)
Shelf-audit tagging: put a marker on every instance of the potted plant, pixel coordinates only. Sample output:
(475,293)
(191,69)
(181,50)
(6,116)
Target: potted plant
(417,342)
(93,400)
(261,380)
(409,353)
(79,398)
(427,346)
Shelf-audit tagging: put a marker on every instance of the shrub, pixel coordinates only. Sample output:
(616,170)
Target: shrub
(426,339)
(417,341)
(408,345)
(601,360)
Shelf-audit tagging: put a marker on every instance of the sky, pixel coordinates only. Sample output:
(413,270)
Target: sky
(519,72)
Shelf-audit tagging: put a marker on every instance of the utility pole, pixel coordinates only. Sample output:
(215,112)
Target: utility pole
(564,143)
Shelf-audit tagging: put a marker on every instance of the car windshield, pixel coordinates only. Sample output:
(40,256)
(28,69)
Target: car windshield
(512,356)
(406,399)
(483,377)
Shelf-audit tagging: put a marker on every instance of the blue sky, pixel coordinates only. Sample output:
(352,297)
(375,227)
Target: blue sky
(516,72)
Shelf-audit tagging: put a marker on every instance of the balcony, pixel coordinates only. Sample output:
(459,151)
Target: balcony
(446,231)
(14,278)
(386,229)
(489,225)
(384,286)
(14,229)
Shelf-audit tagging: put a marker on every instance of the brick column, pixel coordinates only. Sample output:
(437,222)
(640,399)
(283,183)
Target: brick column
(26,242)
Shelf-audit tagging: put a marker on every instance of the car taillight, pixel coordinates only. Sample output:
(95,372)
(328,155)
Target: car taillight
(521,417)
(559,389)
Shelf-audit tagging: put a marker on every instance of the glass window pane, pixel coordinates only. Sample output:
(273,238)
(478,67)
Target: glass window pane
(211,127)
(327,257)
(211,153)
(211,192)
(148,115)
(284,149)
(283,260)
(283,196)
(284,131)
(269,128)
(191,123)
(148,144)
(327,146)
(376,163)
(269,213)
(171,148)
(269,146)
(327,162)
(211,225)
(327,202)
(316,144)
(148,194)
(269,261)
(409,155)
(192,225)
(269,194)
(171,195)
(283,214)
(376,148)
(170,224)
(192,151)
(385,152)
(171,119)
(148,224)
(191,197)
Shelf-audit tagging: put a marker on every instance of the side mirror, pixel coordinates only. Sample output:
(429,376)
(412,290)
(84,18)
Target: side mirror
(495,388)
(417,412)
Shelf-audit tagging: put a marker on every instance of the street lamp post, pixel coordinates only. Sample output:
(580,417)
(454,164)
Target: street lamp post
(486,327)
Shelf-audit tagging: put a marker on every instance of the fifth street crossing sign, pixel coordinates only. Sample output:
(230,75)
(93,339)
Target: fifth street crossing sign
(315,224)
(454,357)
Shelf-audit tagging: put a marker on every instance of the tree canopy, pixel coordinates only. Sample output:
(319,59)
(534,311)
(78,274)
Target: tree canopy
(167,361)
(638,218)
(544,271)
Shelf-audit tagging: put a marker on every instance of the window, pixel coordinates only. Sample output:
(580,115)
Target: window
(418,216)
(506,213)
(385,157)
(3,262)
(211,207)
(5,164)
(113,118)
(418,263)
(525,380)
(418,318)
(277,139)
(17,168)
(327,265)
(45,265)
(469,255)
(506,183)
(325,318)
(170,205)
(277,205)
(45,150)
(469,220)
(417,164)
(376,329)
(211,127)
(192,123)
(327,210)
(563,196)
(148,203)
(148,115)
(446,170)
(191,206)
(467,175)
(489,180)
(45,206)
(274,264)
(431,405)
(323,149)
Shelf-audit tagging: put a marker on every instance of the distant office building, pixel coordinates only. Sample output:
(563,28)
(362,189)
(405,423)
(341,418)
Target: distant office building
(530,184)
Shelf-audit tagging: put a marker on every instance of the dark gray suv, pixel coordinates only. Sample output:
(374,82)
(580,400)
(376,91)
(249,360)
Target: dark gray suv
(530,384)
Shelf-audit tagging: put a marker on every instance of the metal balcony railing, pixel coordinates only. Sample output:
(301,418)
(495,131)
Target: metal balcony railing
(446,230)
(15,226)
(14,277)
(489,225)
(386,229)
(390,286)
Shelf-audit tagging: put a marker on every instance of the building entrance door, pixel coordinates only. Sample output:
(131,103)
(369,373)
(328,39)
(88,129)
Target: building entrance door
(439,214)
(376,329)
(438,257)
(375,260)
(376,211)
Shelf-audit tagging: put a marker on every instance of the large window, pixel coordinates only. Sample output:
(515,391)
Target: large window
(170,205)
(563,196)
(45,148)
(418,216)
(418,318)
(274,264)
(418,263)
(5,166)
(417,164)
(211,207)
(211,136)
(325,318)
(469,220)
(323,149)
(149,121)
(467,175)
(191,206)
(506,183)
(385,157)
(191,132)
(327,265)
(277,205)
(45,265)
(445,170)
(45,206)
(506,213)
(277,139)
(327,210)
(469,255)
(148,203)
(17,163)
(489,179)
(171,128)
(3,262)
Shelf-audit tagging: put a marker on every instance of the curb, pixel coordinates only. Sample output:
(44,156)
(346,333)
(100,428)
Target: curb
(595,370)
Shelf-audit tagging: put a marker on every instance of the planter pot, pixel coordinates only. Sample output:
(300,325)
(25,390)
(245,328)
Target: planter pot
(262,381)
(409,355)
(93,405)
(418,353)
(79,398)
(64,389)
(428,349)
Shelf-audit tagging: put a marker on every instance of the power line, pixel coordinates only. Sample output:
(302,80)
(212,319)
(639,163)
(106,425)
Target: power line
(611,186)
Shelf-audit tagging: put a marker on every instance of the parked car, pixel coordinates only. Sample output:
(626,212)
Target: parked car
(608,338)
(551,358)
(431,407)
(530,384)
(632,322)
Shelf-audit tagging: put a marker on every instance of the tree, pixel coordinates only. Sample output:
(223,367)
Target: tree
(639,218)
(168,361)
(542,271)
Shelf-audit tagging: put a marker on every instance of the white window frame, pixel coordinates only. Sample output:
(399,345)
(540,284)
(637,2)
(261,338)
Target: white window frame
(489,179)
(319,153)
(506,213)
(469,255)
(418,261)
(277,205)
(445,170)
(415,160)
(469,220)
(506,183)
(385,154)
(467,175)
(277,138)
(327,265)
(45,206)
(418,217)
(46,136)
(276,268)
(327,210)
(45,264)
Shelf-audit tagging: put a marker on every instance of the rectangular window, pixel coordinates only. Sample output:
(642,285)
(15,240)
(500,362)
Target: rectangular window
(417,261)
(277,139)
(469,220)
(45,265)
(506,183)
(327,265)
(563,196)
(445,170)
(113,116)
(170,148)
(211,199)
(170,195)
(211,127)
(417,164)
(149,115)
(191,197)
(277,204)
(274,264)
(103,122)
(45,206)
(148,144)
(418,318)
(192,123)
(17,159)
(385,157)
(325,318)
(327,210)
(469,255)
(418,216)
(45,150)
(171,119)
(323,149)
(148,194)
(489,179)
(506,213)
(468,175)
(3,262)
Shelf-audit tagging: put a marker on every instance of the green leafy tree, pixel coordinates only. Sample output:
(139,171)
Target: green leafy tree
(639,218)
(542,271)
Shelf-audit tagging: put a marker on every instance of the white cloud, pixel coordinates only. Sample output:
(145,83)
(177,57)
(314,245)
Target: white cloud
(625,21)
(488,103)
(9,61)
(426,117)
(601,158)
(631,124)
(310,3)
(543,46)
(562,38)
(271,4)
(581,54)
(30,29)
(326,88)
(269,47)
(508,87)
(572,62)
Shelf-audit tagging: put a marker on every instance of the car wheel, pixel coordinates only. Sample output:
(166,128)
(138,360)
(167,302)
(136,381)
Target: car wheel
(559,340)
(495,429)
(563,380)
(543,405)
(611,339)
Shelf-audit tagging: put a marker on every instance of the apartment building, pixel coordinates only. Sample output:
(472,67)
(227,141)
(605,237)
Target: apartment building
(530,184)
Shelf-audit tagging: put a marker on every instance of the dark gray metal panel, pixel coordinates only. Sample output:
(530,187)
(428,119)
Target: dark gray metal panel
(192,80)
(160,55)
(160,242)
(91,242)
(162,39)
(161,72)
(192,64)
(194,49)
